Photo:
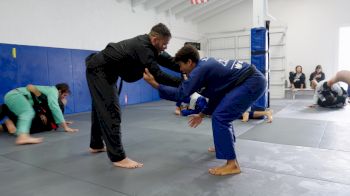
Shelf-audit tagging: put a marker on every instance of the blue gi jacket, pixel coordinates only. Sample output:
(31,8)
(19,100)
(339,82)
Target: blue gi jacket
(212,78)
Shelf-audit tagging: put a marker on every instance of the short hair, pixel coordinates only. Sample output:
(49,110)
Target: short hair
(187,52)
(63,87)
(160,30)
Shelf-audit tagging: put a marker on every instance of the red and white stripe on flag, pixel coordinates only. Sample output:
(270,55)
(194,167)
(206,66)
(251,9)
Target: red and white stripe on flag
(198,1)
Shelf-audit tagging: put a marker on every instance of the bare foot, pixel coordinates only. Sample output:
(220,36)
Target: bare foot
(177,111)
(27,139)
(10,126)
(98,150)
(231,167)
(128,163)
(211,149)
(269,116)
(245,117)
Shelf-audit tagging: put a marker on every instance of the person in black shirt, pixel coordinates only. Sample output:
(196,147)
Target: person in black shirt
(316,76)
(297,79)
(126,59)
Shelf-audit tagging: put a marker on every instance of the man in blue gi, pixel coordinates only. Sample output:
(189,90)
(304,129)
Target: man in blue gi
(231,86)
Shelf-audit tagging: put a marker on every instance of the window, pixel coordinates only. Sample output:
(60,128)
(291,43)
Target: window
(344,48)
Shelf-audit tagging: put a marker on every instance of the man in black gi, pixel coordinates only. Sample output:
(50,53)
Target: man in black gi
(126,59)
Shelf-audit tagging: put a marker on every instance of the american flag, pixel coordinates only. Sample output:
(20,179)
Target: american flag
(198,1)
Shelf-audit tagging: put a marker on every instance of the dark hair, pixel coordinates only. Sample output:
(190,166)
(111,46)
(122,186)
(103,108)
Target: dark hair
(160,30)
(297,68)
(318,67)
(187,52)
(63,87)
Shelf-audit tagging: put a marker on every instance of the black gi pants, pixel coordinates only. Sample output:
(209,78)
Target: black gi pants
(105,112)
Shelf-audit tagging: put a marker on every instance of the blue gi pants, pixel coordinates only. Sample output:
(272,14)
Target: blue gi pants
(231,107)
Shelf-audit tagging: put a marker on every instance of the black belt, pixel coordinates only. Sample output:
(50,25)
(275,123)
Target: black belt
(251,70)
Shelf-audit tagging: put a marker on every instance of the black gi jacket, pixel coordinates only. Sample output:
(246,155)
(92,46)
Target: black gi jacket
(130,57)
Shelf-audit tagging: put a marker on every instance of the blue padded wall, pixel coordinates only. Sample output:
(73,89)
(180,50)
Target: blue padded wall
(82,99)
(61,71)
(33,67)
(130,93)
(258,39)
(259,49)
(8,70)
(146,92)
(49,66)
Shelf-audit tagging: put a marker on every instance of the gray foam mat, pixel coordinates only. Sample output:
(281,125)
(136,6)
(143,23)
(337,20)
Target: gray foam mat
(176,160)
(296,132)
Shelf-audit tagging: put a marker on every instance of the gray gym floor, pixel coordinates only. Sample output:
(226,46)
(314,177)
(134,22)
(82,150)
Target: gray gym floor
(303,152)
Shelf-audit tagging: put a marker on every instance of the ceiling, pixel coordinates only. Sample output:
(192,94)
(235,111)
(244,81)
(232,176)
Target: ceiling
(184,9)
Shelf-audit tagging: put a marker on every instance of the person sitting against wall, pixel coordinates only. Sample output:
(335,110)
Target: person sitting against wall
(20,102)
(297,79)
(316,76)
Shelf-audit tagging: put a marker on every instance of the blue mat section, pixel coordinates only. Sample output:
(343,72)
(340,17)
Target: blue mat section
(32,66)
(21,65)
(80,88)
(8,70)
(259,48)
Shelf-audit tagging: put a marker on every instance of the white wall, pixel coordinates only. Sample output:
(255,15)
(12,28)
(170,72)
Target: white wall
(83,24)
(312,28)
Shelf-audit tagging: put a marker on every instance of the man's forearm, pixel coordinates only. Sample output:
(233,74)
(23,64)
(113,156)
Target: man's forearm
(154,84)
(168,80)
(31,88)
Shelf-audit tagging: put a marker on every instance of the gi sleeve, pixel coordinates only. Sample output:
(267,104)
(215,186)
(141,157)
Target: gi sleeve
(210,107)
(336,88)
(52,99)
(149,60)
(187,88)
(165,60)
(188,112)
(162,77)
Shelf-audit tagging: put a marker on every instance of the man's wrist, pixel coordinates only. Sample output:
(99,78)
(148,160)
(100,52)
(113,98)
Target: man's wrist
(155,84)
(202,115)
